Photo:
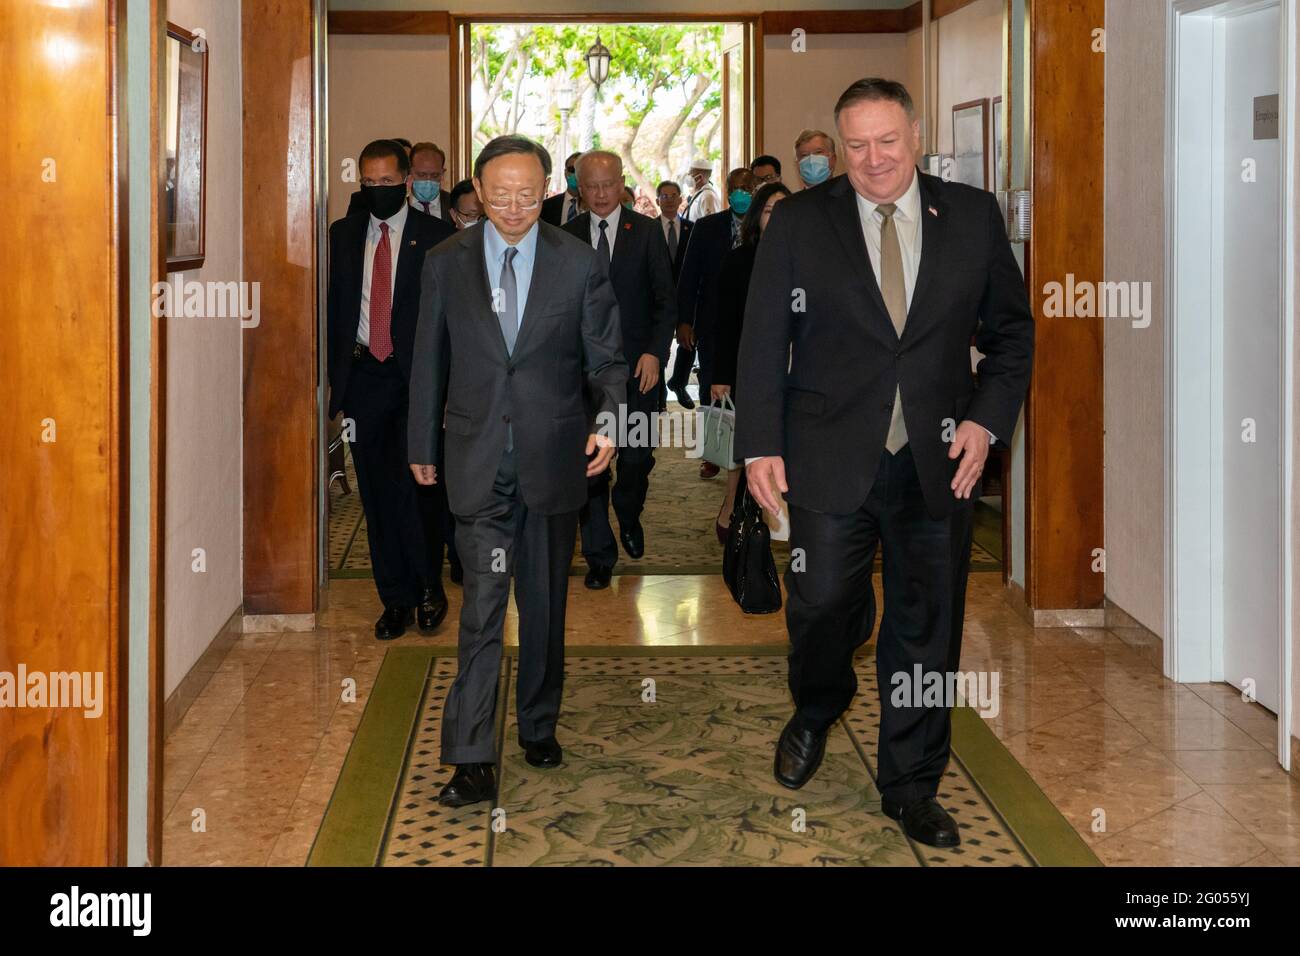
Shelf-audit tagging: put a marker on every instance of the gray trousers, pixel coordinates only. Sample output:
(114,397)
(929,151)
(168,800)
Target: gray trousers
(502,541)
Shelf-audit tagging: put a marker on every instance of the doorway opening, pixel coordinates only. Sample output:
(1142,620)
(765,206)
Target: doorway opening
(670,91)
(1228,349)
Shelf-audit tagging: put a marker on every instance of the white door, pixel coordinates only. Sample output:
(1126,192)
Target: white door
(1251,334)
(1229,352)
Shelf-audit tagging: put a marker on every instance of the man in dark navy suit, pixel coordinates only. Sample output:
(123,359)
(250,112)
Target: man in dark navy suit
(372,310)
(697,284)
(861,410)
(563,207)
(677,231)
(640,269)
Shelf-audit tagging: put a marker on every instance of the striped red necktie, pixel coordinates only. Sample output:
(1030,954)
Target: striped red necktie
(381,298)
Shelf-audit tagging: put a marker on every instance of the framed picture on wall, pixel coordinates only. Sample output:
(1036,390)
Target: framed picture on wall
(998,176)
(970,143)
(184,148)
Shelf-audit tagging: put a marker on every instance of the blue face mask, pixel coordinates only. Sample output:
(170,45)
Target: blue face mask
(425,190)
(739,200)
(814,168)
(572,180)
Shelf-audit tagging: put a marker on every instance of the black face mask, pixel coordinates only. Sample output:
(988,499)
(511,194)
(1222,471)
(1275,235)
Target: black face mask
(384,201)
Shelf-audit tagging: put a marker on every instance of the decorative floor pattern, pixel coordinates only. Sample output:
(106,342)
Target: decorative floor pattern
(681,779)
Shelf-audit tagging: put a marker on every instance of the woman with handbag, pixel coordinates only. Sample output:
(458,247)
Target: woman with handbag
(733,288)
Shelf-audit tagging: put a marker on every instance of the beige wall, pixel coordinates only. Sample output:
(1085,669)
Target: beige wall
(1134,358)
(968,45)
(204,484)
(800,89)
(382,86)
(611,6)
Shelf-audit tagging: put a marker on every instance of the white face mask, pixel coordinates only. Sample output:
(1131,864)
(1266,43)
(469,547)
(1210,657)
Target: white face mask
(466,221)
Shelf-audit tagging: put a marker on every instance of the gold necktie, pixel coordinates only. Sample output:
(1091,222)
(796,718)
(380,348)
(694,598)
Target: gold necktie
(894,289)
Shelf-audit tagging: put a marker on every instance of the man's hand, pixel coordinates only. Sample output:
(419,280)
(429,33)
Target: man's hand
(425,474)
(647,372)
(971,444)
(719,392)
(686,336)
(766,480)
(603,457)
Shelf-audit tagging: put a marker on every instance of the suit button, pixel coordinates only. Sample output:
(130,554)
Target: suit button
(510,371)
(889,406)
(506,419)
(898,354)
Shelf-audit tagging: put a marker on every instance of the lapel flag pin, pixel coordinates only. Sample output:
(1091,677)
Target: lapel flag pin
(933,211)
(411,243)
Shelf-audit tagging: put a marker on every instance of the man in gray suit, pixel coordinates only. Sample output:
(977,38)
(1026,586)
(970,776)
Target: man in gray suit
(504,359)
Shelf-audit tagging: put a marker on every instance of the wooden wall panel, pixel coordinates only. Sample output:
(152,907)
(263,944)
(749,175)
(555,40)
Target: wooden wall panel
(63,526)
(1064,416)
(390,21)
(280,411)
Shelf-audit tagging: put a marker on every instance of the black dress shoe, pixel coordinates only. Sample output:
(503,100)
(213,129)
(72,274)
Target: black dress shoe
(457,571)
(799,753)
(633,538)
(543,753)
(393,622)
(433,608)
(471,783)
(924,821)
(597,578)
(684,399)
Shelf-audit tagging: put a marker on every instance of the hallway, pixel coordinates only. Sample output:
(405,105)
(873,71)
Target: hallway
(1184,774)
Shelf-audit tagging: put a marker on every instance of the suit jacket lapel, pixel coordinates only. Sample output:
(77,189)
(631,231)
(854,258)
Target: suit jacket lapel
(408,258)
(474,266)
(361,228)
(842,206)
(546,264)
(620,243)
(934,223)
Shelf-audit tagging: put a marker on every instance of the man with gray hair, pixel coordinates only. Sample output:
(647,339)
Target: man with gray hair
(641,272)
(516,318)
(814,151)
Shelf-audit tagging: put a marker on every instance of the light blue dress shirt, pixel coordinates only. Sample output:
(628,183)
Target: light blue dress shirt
(494,256)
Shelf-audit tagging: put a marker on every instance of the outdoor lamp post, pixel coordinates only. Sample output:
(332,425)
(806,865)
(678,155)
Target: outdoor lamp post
(598,63)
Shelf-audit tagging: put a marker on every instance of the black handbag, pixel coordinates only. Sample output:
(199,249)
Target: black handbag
(747,563)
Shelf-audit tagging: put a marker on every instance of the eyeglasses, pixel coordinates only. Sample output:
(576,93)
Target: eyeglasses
(522,203)
(767,179)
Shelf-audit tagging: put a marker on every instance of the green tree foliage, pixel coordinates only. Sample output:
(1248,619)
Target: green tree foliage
(660,107)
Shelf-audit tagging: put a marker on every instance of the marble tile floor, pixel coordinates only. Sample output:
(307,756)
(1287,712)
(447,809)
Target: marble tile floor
(1150,773)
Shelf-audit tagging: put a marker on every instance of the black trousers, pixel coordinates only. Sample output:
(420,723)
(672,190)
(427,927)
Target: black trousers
(376,401)
(632,467)
(502,541)
(682,366)
(436,519)
(831,611)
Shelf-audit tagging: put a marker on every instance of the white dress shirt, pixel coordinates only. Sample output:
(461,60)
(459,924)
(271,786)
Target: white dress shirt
(907,223)
(395,226)
(611,230)
(435,205)
(671,225)
(570,200)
